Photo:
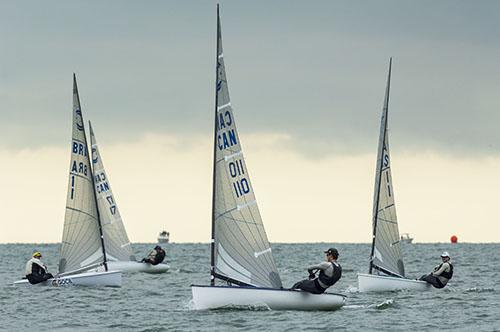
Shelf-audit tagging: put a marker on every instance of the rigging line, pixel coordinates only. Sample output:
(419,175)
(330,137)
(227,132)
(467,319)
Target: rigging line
(245,199)
(78,201)
(232,281)
(260,271)
(76,219)
(70,224)
(243,254)
(385,208)
(80,211)
(263,239)
(244,248)
(224,213)
(80,176)
(391,253)
(381,269)
(83,233)
(225,218)
(387,220)
(235,270)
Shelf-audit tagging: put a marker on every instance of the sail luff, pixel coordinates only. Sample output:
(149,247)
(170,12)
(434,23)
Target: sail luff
(212,239)
(381,143)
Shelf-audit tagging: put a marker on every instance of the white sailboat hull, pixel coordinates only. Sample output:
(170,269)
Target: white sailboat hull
(131,266)
(110,278)
(213,297)
(375,283)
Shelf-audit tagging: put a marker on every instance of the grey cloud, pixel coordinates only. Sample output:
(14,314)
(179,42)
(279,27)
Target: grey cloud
(315,71)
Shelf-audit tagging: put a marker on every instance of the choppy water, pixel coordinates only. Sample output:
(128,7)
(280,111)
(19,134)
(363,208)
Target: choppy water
(162,302)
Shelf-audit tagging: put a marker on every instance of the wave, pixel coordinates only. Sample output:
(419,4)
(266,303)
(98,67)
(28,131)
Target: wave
(351,289)
(253,307)
(384,305)
(479,290)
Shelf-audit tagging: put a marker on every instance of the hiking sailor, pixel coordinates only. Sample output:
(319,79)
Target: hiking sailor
(155,257)
(329,273)
(441,274)
(36,271)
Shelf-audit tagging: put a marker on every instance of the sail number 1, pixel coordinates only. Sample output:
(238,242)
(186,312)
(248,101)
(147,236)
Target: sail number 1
(237,172)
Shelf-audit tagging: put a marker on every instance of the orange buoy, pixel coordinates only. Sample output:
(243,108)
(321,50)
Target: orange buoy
(454,239)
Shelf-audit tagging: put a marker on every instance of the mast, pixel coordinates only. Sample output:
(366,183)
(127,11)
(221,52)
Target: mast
(92,176)
(212,239)
(97,209)
(381,149)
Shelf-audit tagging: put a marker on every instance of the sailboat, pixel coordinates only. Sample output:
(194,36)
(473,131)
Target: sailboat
(118,248)
(83,247)
(241,255)
(386,271)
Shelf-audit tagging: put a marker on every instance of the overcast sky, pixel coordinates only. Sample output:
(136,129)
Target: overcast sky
(311,72)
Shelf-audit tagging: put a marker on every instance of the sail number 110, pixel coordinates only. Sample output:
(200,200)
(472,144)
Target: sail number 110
(240,183)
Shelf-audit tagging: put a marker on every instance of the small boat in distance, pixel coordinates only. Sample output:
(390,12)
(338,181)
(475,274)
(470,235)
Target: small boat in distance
(405,238)
(241,255)
(82,247)
(164,237)
(386,271)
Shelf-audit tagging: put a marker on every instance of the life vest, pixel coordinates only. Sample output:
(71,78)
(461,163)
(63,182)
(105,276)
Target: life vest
(159,257)
(329,281)
(448,275)
(29,266)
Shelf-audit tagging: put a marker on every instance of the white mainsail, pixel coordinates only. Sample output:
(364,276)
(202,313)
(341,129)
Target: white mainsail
(115,236)
(386,257)
(241,252)
(81,242)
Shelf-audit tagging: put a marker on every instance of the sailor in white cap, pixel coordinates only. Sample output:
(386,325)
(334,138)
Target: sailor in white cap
(441,274)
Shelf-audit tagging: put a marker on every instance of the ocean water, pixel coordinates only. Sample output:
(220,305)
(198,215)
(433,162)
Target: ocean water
(162,302)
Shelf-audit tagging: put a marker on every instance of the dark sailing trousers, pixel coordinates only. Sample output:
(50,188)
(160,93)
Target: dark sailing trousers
(310,286)
(37,278)
(433,280)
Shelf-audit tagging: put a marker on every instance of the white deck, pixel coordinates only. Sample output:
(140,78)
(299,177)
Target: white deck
(375,283)
(130,266)
(110,278)
(213,297)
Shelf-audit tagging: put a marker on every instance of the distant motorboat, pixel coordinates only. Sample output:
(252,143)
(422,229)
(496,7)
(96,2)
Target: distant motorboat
(405,238)
(164,237)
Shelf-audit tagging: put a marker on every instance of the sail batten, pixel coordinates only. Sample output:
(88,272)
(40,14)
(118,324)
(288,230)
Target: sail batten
(240,249)
(386,256)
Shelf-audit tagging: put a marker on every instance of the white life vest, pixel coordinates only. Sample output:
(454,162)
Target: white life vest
(29,265)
